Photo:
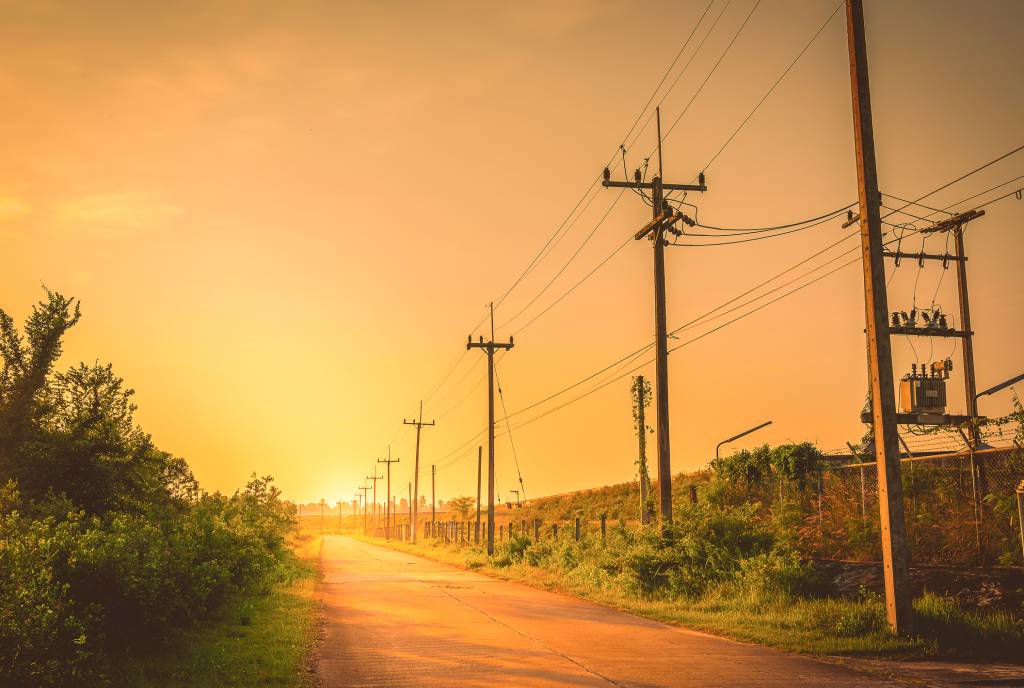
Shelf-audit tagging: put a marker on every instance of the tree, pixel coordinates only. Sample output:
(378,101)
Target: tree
(641,400)
(463,505)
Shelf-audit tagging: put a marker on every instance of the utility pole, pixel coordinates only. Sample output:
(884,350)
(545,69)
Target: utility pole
(433,493)
(322,504)
(490,347)
(374,478)
(364,488)
(479,470)
(387,509)
(416,470)
(411,507)
(895,553)
(664,218)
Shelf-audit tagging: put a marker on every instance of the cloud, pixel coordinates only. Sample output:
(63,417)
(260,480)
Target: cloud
(119,210)
(11,207)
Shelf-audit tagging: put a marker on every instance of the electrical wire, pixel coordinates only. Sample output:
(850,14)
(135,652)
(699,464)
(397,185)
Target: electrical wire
(771,228)
(773,86)
(573,257)
(759,237)
(712,72)
(501,395)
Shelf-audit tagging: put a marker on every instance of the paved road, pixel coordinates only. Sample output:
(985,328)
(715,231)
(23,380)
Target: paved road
(392,619)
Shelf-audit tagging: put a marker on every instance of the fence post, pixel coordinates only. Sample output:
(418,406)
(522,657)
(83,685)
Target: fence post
(554,531)
(604,527)
(536,530)
(501,533)
(863,497)
(577,529)
(693,494)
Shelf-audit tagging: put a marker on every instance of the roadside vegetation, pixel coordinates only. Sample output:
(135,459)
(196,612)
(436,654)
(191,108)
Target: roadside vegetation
(115,567)
(731,564)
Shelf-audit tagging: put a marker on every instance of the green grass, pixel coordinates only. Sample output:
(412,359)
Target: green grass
(820,626)
(258,639)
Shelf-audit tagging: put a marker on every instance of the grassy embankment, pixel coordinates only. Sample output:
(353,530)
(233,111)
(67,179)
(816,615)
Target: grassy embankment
(258,639)
(793,622)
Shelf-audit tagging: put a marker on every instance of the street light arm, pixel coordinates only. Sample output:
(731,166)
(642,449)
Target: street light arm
(742,434)
(1000,386)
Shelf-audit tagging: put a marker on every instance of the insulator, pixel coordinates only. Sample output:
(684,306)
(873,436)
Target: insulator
(895,319)
(607,174)
(700,178)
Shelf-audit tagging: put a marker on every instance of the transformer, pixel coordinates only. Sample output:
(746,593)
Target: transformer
(920,393)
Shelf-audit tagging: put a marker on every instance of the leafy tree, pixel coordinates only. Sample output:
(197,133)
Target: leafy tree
(463,505)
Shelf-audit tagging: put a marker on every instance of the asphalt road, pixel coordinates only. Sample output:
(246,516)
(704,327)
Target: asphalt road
(392,619)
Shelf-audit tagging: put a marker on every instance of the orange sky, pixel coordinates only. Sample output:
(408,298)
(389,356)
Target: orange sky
(283,219)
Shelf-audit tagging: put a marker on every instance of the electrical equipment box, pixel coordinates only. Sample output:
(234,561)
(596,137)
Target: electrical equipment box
(920,393)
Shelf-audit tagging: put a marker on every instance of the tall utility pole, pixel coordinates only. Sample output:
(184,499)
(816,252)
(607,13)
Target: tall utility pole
(364,488)
(374,478)
(387,507)
(640,399)
(412,525)
(479,470)
(664,218)
(895,554)
(433,494)
(490,347)
(416,470)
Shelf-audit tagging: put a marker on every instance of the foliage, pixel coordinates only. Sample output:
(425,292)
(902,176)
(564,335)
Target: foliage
(792,462)
(462,505)
(105,541)
(641,401)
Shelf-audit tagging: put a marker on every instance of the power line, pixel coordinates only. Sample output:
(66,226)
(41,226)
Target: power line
(774,86)
(504,411)
(760,236)
(770,228)
(573,257)
(713,70)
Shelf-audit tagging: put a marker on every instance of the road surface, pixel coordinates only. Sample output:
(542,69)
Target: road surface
(393,619)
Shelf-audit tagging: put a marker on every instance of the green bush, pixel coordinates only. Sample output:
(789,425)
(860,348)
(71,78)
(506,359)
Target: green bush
(105,541)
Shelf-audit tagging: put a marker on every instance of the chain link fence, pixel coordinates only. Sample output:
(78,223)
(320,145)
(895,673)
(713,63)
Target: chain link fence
(960,508)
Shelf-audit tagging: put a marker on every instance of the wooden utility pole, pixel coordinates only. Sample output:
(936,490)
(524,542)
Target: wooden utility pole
(479,471)
(374,478)
(387,505)
(411,524)
(364,488)
(895,553)
(433,494)
(416,469)
(664,218)
(490,347)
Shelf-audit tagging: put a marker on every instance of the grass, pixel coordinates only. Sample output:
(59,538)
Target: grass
(259,639)
(820,626)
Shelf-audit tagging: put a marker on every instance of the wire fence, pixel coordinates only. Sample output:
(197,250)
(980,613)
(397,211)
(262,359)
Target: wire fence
(960,509)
